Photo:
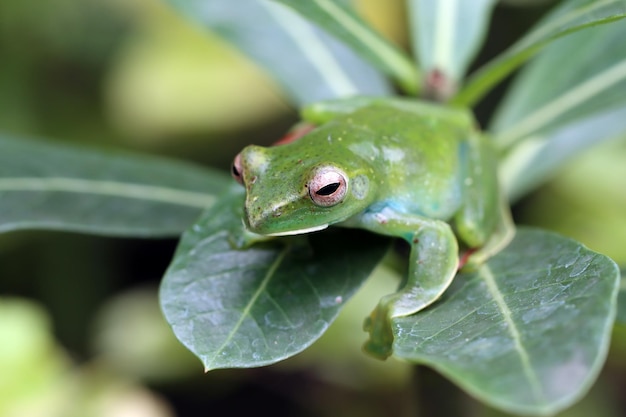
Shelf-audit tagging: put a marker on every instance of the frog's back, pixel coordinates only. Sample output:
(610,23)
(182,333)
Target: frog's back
(418,152)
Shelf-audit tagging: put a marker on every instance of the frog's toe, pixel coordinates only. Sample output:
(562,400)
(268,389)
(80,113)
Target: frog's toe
(380,342)
(377,349)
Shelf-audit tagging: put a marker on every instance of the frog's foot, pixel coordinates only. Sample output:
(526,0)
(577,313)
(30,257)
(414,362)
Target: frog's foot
(474,258)
(404,303)
(378,325)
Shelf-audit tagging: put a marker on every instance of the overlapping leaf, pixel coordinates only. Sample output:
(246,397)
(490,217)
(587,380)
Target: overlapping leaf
(586,73)
(237,308)
(49,186)
(582,105)
(528,332)
(338,19)
(302,59)
(572,16)
(447,34)
(536,159)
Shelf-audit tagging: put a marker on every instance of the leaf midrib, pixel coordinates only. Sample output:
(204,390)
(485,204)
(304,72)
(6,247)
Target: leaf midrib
(111,188)
(487,276)
(246,311)
(502,65)
(314,50)
(444,34)
(562,104)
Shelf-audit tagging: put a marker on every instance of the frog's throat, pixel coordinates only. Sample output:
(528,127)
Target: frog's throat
(299,231)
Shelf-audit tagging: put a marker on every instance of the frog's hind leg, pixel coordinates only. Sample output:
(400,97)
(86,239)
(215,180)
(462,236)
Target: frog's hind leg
(433,265)
(502,235)
(484,221)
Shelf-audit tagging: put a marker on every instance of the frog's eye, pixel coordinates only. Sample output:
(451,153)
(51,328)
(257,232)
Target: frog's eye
(236,170)
(327,186)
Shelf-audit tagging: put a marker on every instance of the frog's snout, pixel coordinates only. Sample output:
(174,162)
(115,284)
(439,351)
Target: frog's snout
(256,217)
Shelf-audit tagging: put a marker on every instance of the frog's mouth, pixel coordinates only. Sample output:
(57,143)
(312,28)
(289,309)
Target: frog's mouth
(299,231)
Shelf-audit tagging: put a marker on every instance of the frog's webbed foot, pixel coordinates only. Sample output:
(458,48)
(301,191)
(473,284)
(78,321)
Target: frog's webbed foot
(433,265)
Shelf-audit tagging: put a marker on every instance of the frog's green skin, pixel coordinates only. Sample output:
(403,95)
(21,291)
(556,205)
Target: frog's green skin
(412,170)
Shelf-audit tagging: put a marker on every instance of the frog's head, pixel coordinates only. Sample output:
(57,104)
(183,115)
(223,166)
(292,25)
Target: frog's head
(292,191)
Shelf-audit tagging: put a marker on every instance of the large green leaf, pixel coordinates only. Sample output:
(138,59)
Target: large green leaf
(548,123)
(237,308)
(50,186)
(570,17)
(303,60)
(528,332)
(447,34)
(341,21)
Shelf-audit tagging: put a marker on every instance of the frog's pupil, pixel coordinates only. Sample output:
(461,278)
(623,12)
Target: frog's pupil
(328,189)
(235,171)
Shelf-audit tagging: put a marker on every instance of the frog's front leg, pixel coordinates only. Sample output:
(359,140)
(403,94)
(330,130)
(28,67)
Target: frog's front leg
(433,264)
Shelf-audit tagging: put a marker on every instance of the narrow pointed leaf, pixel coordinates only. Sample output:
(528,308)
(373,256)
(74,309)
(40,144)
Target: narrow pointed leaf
(341,21)
(571,17)
(307,63)
(591,68)
(448,33)
(50,186)
(528,332)
(238,308)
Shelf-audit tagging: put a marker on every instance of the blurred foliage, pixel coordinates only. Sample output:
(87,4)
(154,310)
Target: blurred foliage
(39,380)
(132,74)
(593,190)
(165,79)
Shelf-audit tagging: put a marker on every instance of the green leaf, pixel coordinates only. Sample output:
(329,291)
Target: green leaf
(447,34)
(621,299)
(237,308)
(51,186)
(587,75)
(570,17)
(546,124)
(536,159)
(342,22)
(528,332)
(303,60)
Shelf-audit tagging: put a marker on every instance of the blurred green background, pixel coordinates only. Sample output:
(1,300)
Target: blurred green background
(81,331)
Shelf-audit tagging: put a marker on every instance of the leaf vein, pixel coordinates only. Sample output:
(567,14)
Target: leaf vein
(104,187)
(246,311)
(560,105)
(487,276)
(316,53)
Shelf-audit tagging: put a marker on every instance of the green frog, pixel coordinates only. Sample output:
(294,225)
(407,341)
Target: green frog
(398,167)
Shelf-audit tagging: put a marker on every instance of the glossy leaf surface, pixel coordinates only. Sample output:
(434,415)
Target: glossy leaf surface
(307,63)
(587,73)
(50,186)
(340,20)
(239,308)
(572,16)
(536,159)
(528,332)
